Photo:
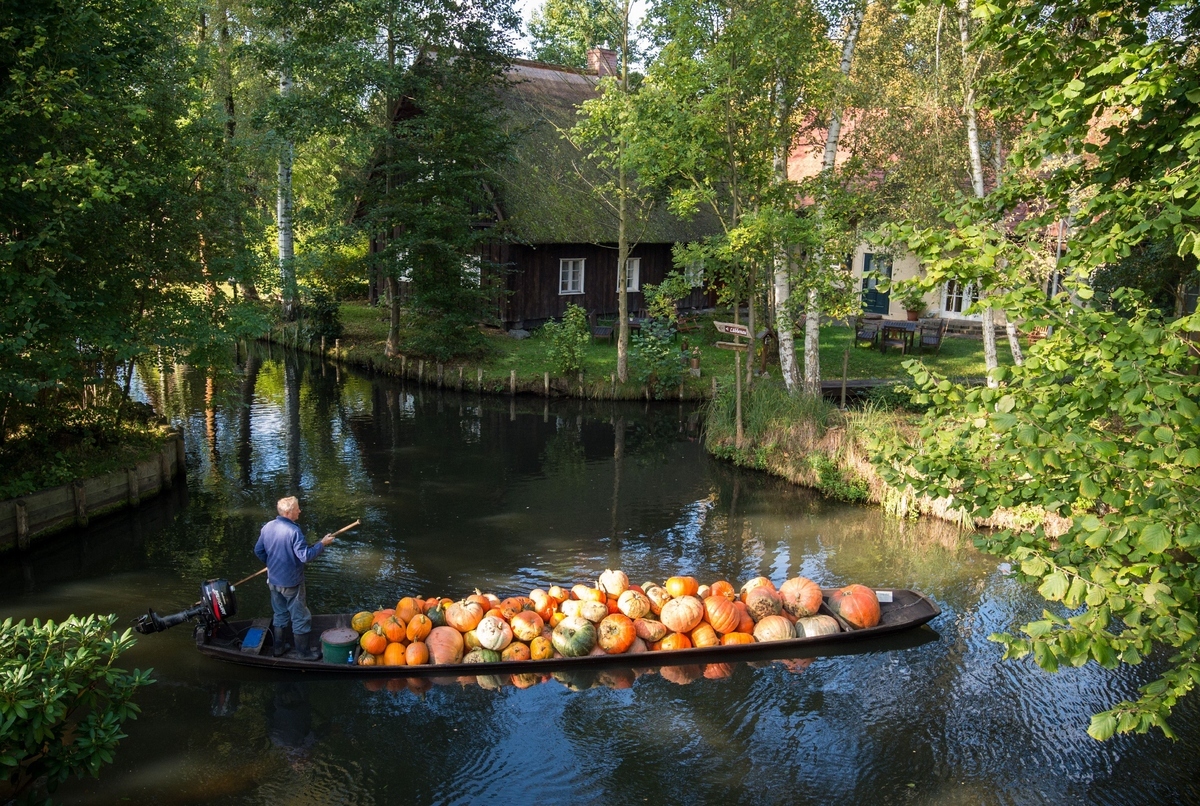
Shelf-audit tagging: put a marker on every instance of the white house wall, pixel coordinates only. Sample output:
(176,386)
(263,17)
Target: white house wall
(905,267)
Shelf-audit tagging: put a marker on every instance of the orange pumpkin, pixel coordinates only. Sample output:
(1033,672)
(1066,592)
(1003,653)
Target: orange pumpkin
(445,645)
(527,625)
(586,594)
(496,612)
(721,614)
(658,597)
(481,600)
(616,633)
(722,588)
(705,635)
(394,655)
(857,604)
(682,586)
(516,651)
(373,641)
(418,627)
(757,582)
(675,640)
(745,621)
(683,614)
(541,648)
(558,593)
(513,605)
(417,654)
(367,659)
(380,616)
(394,629)
(801,596)
(464,616)
(361,622)
(556,618)
(737,638)
(408,607)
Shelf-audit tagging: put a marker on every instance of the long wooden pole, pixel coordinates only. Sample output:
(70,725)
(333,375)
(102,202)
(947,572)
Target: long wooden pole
(263,571)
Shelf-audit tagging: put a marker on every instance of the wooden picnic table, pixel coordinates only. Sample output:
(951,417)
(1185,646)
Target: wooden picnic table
(896,333)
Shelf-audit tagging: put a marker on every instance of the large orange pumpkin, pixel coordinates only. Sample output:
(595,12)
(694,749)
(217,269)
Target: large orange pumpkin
(857,604)
(616,633)
(722,588)
(675,640)
(721,613)
(683,614)
(801,596)
(737,638)
(516,651)
(527,625)
(394,629)
(373,641)
(757,582)
(408,607)
(362,621)
(445,645)
(418,627)
(416,654)
(704,635)
(682,586)
(380,616)
(465,615)
(394,655)
(745,621)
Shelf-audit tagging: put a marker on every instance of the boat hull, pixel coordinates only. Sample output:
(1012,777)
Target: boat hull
(907,610)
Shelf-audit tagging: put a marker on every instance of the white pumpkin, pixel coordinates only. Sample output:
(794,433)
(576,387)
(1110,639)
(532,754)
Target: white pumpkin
(593,611)
(614,583)
(494,633)
(633,604)
(812,626)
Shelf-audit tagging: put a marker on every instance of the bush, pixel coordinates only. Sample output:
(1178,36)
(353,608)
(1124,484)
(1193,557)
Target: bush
(321,317)
(568,340)
(656,360)
(62,700)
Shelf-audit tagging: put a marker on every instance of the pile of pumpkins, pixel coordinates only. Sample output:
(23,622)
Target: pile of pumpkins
(612,618)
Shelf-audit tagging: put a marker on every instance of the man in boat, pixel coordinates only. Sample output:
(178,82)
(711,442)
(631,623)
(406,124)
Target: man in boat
(285,551)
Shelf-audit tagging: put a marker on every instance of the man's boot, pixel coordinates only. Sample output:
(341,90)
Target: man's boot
(281,640)
(304,648)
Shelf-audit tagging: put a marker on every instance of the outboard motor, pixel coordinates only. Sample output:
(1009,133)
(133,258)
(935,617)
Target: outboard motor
(217,604)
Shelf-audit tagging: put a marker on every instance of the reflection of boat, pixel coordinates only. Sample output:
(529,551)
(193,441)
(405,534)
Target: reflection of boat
(906,610)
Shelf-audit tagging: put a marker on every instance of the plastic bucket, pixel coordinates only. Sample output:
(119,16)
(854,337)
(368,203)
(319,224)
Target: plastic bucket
(337,645)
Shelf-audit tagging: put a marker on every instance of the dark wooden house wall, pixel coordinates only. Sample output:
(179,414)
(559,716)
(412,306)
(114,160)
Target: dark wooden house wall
(531,278)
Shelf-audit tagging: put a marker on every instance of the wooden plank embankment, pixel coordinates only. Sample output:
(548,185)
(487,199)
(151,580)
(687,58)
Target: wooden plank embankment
(73,505)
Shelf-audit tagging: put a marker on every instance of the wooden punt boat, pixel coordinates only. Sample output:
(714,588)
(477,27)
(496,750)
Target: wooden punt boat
(906,610)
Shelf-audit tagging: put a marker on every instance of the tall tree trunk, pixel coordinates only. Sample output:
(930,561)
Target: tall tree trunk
(392,348)
(989,318)
(782,286)
(225,76)
(283,213)
(622,218)
(812,313)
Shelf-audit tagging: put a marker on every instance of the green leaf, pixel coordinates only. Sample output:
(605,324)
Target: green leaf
(1155,538)
(1103,726)
(1055,587)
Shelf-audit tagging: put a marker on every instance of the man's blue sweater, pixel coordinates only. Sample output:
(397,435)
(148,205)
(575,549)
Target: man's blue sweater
(282,546)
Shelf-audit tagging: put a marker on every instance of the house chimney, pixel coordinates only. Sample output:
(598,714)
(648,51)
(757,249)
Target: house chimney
(602,61)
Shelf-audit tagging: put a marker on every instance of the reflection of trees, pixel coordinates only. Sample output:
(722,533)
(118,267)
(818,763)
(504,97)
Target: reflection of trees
(292,375)
(245,408)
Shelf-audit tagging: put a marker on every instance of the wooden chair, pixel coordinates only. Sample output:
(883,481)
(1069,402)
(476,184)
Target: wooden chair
(893,337)
(865,331)
(932,334)
(1035,334)
(599,331)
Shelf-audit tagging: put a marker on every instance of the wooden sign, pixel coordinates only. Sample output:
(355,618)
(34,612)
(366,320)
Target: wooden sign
(729,345)
(730,329)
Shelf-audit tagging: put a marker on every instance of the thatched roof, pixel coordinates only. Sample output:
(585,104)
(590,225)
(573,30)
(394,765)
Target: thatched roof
(547,193)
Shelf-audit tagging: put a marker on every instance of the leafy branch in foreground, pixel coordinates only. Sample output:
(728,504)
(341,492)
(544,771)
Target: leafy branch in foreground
(1101,428)
(62,700)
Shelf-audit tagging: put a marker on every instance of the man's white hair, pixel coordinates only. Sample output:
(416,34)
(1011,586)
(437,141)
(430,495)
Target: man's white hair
(286,505)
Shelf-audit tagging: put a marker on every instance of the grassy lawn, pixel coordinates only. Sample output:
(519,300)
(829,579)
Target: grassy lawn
(366,334)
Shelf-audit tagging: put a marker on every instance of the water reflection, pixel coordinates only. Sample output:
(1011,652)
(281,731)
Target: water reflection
(458,491)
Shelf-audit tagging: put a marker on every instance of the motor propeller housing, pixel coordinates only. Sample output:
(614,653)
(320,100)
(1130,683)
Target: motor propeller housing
(217,604)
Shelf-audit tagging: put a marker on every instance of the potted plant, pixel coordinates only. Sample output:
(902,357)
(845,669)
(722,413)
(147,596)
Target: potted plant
(912,297)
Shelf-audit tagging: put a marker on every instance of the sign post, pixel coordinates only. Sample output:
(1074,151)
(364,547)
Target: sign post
(737,331)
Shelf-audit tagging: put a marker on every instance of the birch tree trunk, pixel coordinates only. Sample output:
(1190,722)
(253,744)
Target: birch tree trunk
(783,280)
(283,214)
(812,312)
(622,217)
(989,317)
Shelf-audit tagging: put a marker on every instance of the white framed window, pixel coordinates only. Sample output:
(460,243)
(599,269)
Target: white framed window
(633,275)
(957,297)
(570,275)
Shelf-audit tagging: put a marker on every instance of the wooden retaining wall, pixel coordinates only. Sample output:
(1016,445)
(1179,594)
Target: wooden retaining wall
(48,511)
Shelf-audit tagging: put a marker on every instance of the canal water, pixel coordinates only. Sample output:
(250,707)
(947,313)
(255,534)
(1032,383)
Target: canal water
(457,491)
